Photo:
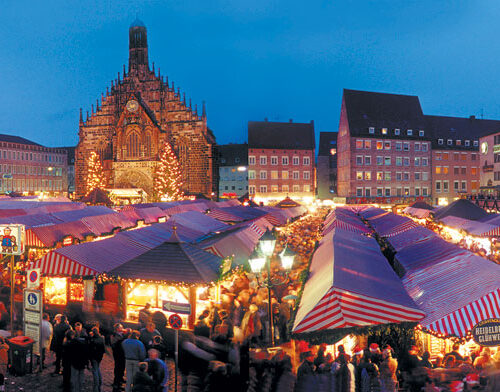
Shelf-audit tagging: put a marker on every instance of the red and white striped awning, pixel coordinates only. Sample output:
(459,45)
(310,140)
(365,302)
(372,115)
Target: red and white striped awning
(461,321)
(33,240)
(343,309)
(55,264)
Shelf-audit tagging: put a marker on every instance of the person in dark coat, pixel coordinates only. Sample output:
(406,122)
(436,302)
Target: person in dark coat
(96,352)
(116,339)
(142,382)
(66,360)
(147,335)
(78,352)
(306,373)
(201,328)
(59,334)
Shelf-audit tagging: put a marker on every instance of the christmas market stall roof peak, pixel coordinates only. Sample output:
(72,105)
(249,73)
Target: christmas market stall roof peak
(97,196)
(287,202)
(172,261)
(462,209)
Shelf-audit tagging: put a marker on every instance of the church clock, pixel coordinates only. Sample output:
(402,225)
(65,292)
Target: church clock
(132,105)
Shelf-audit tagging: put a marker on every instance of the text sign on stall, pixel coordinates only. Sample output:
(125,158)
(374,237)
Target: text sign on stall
(33,276)
(176,307)
(487,332)
(175,321)
(32,320)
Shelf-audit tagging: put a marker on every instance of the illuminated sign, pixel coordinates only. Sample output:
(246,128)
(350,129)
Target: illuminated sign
(487,332)
(12,239)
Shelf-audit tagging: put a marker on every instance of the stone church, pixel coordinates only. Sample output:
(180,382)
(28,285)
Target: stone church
(129,125)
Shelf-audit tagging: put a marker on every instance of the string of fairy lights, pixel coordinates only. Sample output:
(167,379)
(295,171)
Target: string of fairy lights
(167,181)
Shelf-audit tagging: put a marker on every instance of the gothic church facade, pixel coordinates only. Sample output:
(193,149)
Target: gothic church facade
(135,117)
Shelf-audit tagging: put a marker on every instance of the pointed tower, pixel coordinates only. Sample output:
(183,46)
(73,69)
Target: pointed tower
(138,47)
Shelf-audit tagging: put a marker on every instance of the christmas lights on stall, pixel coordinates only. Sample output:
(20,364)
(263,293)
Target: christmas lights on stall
(95,173)
(167,179)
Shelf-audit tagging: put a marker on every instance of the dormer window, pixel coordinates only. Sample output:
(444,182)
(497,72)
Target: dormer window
(409,132)
(396,132)
(458,142)
(449,142)
(440,141)
(476,143)
(371,130)
(421,133)
(384,131)
(467,143)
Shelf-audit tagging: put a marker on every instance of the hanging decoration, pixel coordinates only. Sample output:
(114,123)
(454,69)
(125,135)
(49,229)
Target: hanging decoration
(95,173)
(167,180)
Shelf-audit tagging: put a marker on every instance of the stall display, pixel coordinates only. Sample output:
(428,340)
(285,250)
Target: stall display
(56,291)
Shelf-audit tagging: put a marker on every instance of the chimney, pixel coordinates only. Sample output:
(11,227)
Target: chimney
(291,120)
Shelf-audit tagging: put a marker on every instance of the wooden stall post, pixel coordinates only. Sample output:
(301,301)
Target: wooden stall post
(192,301)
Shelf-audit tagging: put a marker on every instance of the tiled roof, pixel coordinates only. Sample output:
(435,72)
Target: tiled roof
(16,139)
(232,154)
(280,135)
(459,128)
(381,110)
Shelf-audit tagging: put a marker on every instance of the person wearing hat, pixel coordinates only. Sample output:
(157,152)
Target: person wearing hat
(306,373)
(376,354)
(358,365)
(388,368)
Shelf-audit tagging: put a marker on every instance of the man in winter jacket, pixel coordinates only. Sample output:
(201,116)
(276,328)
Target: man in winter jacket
(134,353)
(59,333)
(157,370)
(96,352)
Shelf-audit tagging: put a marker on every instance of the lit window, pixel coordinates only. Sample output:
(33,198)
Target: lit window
(368,175)
(368,144)
(384,131)
(387,145)
(359,175)
(438,169)
(458,142)
(251,174)
(380,176)
(380,145)
(274,174)
(371,130)
(409,132)
(421,133)
(284,174)
(387,161)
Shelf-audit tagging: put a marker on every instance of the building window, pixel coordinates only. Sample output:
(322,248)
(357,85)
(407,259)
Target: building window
(263,189)
(251,160)
(296,188)
(307,188)
(368,144)
(399,161)
(380,176)
(467,143)
(399,176)
(359,160)
(406,161)
(371,130)
(417,191)
(296,175)
(359,144)
(440,141)
(284,188)
(368,192)
(274,161)
(237,160)
(368,160)
(274,188)
(380,145)
(387,176)
(445,169)
(263,175)
(473,157)
(387,161)
(406,176)
(359,192)
(425,176)
(399,146)
(396,132)
(473,171)
(284,161)
(424,147)
(463,170)
(380,192)
(417,146)
(445,186)
(417,161)
(406,146)
(306,161)
(306,175)
(476,143)
(438,169)
(133,145)
(417,176)
(147,145)
(387,192)
(284,174)
(384,131)
(425,162)
(421,133)
(296,161)
(455,185)
(458,142)
(380,161)
(368,175)
(274,174)
(251,174)
(463,157)
(359,175)
(438,186)
(425,191)
(449,142)
(263,160)
(387,145)
(251,189)
(409,132)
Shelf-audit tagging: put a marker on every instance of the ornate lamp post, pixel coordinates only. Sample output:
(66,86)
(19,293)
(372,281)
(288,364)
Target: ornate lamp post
(260,260)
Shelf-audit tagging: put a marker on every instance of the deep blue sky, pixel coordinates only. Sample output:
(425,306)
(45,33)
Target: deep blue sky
(248,60)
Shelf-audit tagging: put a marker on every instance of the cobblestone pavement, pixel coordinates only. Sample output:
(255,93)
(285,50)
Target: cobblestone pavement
(45,382)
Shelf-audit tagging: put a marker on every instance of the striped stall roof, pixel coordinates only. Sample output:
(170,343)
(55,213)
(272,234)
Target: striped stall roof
(410,237)
(198,221)
(417,212)
(48,236)
(351,284)
(103,224)
(390,224)
(224,216)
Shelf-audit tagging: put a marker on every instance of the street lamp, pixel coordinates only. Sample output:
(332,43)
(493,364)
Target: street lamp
(262,259)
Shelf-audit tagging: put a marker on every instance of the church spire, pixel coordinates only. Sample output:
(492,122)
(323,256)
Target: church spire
(138,47)
(81,116)
(204,111)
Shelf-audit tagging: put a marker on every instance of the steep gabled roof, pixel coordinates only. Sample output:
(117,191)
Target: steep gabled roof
(327,141)
(280,135)
(381,110)
(233,154)
(16,139)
